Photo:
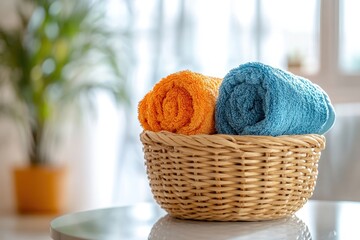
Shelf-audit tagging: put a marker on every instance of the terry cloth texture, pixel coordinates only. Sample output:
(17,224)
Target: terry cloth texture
(183,102)
(257,99)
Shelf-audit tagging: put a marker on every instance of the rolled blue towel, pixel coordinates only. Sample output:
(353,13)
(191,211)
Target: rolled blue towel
(257,99)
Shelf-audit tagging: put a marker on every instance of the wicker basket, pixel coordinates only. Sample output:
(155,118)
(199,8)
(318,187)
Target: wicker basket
(231,178)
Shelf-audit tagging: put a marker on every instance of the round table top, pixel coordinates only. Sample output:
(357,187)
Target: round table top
(316,220)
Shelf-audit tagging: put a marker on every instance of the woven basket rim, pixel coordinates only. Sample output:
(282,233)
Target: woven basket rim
(169,138)
(257,139)
(233,136)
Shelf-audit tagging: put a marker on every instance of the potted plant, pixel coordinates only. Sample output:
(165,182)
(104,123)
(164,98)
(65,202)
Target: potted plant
(51,62)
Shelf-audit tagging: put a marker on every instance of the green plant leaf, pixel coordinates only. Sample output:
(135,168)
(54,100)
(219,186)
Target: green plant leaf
(51,62)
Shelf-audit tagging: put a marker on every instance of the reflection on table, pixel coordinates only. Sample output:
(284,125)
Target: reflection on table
(171,228)
(316,220)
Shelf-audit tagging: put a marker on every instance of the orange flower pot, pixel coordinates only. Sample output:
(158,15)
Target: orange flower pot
(40,189)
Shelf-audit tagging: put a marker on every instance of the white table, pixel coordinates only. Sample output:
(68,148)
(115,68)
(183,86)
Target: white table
(316,220)
(24,227)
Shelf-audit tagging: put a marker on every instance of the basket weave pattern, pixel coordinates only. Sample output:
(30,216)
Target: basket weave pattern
(231,178)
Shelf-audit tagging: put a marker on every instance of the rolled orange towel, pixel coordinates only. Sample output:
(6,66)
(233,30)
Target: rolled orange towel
(183,102)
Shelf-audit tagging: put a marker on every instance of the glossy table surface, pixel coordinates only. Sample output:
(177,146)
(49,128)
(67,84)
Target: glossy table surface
(316,220)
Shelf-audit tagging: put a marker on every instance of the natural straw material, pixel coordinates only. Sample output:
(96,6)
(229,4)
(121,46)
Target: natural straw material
(231,178)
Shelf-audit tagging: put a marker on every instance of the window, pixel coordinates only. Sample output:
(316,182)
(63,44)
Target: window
(290,34)
(349,37)
(314,38)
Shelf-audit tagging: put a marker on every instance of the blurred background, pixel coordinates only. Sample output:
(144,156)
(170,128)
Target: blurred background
(145,41)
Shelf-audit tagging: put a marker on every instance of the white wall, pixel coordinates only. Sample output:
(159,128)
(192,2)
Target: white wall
(7,16)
